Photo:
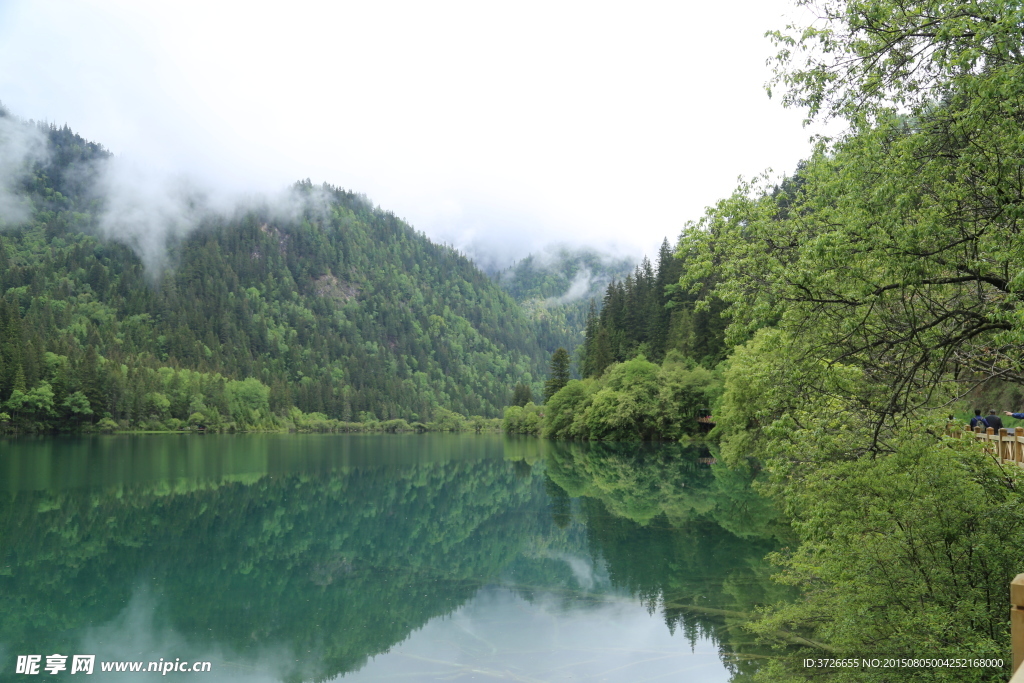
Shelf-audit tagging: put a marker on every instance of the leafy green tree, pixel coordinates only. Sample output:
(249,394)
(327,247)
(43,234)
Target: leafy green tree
(248,400)
(920,546)
(36,404)
(899,245)
(633,401)
(77,405)
(522,420)
(866,292)
(862,56)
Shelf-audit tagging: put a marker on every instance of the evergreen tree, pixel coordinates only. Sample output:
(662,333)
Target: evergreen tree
(522,394)
(558,376)
(340,308)
(649,313)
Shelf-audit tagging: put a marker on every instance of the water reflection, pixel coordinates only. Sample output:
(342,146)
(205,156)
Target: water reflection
(500,636)
(306,557)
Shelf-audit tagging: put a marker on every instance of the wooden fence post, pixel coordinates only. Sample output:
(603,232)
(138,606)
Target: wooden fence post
(1017,620)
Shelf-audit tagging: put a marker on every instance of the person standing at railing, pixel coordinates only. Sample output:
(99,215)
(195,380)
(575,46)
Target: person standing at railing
(978,420)
(994,421)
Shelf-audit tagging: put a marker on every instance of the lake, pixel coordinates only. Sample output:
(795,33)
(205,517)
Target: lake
(380,557)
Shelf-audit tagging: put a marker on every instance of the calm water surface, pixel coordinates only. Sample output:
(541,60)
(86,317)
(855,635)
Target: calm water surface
(380,557)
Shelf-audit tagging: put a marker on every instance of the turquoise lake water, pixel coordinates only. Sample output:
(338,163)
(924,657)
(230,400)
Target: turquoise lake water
(380,558)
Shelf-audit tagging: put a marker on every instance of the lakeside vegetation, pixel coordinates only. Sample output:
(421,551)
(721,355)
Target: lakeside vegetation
(651,363)
(866,294)
(830,321)
(865,297)
(325,304)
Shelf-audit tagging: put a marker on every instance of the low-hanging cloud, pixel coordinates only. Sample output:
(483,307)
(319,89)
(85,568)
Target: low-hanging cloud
(147,210)
(581,286)
(140,205)
(22,146)
(585,271)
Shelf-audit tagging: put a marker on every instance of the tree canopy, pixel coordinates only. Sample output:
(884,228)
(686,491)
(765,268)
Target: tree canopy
(334,307)
(866,293)
(558,373)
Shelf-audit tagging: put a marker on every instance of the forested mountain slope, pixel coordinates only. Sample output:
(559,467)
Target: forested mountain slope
(648,313)
(556,289)
(339,308)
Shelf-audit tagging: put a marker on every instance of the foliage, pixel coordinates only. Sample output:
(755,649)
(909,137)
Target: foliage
(521,395)
(649,313)
(865,55)
(633,401)
(897,247)
(336,308)
(866,292)
(522,420)
(902,556)
(558,373)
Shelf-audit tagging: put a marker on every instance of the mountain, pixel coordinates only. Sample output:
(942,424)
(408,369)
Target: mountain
(329,305)
(649,313)
(556,290)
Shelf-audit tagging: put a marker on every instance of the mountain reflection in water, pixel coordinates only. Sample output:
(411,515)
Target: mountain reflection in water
(304,557)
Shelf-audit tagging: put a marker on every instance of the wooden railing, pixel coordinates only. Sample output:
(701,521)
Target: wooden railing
(1009,447)
(1004,445)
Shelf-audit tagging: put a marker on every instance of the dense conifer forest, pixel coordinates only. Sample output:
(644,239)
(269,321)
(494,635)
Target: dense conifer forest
(648,362)
(648,313)
(337,308)
(556,288)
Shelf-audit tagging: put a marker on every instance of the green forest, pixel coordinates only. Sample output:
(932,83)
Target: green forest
(555,289)
(835,321)
(828,324)
(340,311)
(649,362)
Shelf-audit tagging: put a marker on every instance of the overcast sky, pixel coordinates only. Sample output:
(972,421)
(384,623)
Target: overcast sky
(511,124)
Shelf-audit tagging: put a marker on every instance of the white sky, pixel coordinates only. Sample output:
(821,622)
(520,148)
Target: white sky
(510,124)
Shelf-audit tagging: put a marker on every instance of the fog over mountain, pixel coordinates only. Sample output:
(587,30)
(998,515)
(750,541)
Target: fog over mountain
(20,147)
(497,129)
(141,207)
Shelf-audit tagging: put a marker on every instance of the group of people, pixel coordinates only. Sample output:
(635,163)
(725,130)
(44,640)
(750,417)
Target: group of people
(992,420)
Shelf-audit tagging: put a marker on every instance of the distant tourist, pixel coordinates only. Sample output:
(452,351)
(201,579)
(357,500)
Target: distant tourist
(994,421)
(978,420)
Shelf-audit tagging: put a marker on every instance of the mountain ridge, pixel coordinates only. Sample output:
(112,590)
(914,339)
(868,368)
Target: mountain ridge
(340,308)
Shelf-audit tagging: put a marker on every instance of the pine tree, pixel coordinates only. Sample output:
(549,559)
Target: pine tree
(559,373)
(521,395)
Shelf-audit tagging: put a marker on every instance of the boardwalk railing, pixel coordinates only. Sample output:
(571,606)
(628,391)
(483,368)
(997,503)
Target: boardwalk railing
(1004,445)
(1010,448)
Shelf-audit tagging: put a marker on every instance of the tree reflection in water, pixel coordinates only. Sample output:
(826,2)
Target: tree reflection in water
(332,550)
